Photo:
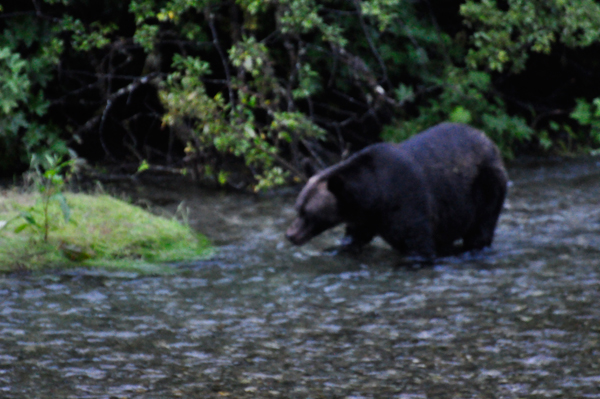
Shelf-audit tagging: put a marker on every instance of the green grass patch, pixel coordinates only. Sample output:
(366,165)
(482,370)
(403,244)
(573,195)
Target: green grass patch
(102,232)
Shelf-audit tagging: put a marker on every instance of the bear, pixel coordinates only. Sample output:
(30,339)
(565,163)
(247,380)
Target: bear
(423,196)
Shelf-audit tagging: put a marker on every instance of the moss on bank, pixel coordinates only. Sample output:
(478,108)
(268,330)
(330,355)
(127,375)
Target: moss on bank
(102,232)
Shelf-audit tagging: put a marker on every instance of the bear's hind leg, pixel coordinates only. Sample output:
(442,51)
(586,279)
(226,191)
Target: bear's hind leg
(413,237)
(489,191)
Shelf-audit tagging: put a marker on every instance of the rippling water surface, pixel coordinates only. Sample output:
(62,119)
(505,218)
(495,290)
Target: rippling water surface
(267,320)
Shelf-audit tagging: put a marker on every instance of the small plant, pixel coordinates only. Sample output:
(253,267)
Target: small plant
(587,114)
(48,174)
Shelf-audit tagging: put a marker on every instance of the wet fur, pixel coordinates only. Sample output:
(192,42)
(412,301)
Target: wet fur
(421,196)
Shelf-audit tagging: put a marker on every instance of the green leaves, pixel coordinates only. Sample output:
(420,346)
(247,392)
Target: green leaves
(309,82)
(248,80)
(48,174)
(460,115)
(252,56)
(85,38)
(588,116)
(14,82)
(465,98)
(229,125)
(299,16)
(586,113)
(405,94)
(503,38)
(23,104)
(145,36)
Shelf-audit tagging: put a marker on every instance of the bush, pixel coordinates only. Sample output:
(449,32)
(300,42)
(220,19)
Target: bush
(255,93)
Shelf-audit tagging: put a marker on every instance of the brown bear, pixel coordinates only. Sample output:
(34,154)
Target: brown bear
(423,196)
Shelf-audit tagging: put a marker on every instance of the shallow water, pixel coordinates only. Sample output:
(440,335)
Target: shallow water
(264,319)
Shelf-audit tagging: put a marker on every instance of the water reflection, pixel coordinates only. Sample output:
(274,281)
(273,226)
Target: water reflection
(264,319)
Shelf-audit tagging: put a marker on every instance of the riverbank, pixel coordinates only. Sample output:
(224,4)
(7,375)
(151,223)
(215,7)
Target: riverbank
(100,231)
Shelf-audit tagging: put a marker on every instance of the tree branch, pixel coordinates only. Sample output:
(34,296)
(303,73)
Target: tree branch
(211,23)
(110,101)
(371,45)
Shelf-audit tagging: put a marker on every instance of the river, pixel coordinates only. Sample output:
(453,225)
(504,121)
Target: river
(264,319)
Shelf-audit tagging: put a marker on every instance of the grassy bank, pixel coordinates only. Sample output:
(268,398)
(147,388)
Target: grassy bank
(102,231)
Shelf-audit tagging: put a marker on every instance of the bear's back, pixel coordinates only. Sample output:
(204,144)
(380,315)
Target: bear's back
(449,143)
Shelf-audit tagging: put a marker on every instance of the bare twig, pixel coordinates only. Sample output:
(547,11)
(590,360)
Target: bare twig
(438,31)
(309,146)
(110,101)
(371,44)
(38,13)
(211,23)
(17,14)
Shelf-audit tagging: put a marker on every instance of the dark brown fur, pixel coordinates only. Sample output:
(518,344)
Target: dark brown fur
(445,184)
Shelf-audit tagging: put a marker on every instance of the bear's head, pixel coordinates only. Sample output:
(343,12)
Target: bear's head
(317,211)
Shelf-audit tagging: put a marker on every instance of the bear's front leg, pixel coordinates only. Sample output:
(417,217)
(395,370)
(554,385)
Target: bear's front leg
(356,237)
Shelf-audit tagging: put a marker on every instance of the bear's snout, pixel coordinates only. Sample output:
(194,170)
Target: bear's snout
(296,233)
